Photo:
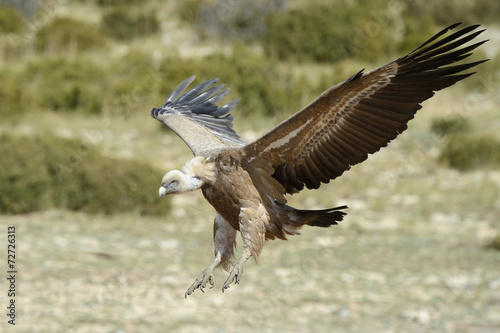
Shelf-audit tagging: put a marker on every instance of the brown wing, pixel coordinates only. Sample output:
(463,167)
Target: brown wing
(360,115)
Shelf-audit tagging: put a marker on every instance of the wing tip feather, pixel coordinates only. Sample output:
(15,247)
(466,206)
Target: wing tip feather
(200,104)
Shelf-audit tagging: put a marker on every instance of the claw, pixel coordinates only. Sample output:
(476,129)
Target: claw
(201,282)
(207,277)
(235,276)
(204,283)
(212,282)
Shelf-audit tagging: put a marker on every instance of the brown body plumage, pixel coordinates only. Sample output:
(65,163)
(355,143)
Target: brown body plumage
(247,183)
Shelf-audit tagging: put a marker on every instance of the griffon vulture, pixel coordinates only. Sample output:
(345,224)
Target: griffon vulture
(246,183)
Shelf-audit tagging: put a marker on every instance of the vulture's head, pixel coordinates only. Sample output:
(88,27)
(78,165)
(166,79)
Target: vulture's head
(176,181)
(196,173)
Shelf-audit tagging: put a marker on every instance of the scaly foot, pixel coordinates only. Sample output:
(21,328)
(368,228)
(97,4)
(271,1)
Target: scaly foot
(201,282)
(204,278)
(235,274)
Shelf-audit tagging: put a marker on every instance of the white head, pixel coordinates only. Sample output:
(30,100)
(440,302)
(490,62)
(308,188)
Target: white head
(176,181)
(193,176)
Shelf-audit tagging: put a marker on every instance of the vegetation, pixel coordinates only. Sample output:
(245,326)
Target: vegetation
(443,13)
(125,24)
(49,172)
(66,35)
(467,152)
(82,84)
(451,125)
(11,21)
(495,243)
(11,95)
(65,84)
(462,148)
(24,177)
(189,10)
(323,31)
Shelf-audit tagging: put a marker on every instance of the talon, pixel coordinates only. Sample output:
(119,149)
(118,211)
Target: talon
(212,282)
(201,281)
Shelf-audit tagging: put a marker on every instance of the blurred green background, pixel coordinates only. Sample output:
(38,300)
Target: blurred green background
(81,161)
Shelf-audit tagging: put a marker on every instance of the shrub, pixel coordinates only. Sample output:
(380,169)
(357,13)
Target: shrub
(64,34)
(451,125)
(495,243)
(80,84)
(11,21)
(23,178)
(466,152)
(327,32)
(11,95)
(105,185)
(445,13)
(125,24)
(190,9)
(317,34)
(51,172)
(66,84)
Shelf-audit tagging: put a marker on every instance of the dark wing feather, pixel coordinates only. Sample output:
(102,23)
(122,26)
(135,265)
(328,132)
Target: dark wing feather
(197,119)
(362,114)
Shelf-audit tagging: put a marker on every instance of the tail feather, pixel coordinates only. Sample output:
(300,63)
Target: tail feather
(297,218)
(321,218)
(292,220)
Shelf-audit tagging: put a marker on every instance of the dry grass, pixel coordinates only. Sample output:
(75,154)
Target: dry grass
(385,269)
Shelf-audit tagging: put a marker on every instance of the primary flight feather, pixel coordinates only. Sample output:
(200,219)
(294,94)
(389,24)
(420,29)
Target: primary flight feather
(247,183)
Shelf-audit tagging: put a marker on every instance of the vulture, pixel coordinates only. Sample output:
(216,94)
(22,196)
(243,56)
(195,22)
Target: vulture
(247,183)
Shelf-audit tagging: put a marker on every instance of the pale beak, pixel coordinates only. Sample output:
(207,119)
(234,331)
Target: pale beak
(162,191)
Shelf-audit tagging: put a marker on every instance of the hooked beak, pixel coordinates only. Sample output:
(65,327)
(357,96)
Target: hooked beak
(162,191)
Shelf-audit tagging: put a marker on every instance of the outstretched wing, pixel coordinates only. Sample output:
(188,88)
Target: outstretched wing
(197,119)
(360,115)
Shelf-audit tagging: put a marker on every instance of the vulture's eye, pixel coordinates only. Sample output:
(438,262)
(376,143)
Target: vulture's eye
(173,183)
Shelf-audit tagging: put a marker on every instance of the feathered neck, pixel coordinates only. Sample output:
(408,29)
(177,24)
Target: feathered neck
(200,168)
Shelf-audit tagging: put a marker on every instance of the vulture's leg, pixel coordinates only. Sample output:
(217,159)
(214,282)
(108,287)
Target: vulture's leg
(253,218)
(237,271)
(224,241)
